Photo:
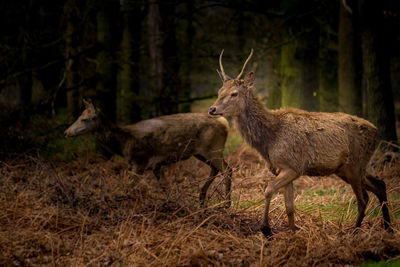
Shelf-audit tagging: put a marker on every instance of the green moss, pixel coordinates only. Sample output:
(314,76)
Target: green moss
(394,263)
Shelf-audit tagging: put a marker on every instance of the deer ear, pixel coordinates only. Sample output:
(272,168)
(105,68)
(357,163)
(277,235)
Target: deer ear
(89,104)
(86,103)
(249,79)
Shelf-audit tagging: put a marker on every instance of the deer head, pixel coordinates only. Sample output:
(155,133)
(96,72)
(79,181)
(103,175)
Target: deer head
(232,96)
(86,123)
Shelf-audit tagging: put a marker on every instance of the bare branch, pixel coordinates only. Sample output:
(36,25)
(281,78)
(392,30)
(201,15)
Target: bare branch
(346,6)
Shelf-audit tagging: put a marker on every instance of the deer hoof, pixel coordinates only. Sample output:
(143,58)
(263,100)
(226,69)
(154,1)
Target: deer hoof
(266,231)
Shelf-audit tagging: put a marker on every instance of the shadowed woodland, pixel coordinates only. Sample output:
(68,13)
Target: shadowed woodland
(70,202)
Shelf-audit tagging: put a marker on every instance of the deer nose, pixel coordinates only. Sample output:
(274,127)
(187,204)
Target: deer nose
(212,110)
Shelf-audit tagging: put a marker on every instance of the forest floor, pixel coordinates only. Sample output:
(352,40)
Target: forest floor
(92,211)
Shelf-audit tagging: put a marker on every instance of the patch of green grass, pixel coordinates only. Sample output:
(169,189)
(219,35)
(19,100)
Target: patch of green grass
(68,149)
(329,210)
(381,264)
(322,192)
(234,141)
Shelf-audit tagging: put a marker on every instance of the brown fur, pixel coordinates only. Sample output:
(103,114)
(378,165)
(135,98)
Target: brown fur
(297,142)
(150,144)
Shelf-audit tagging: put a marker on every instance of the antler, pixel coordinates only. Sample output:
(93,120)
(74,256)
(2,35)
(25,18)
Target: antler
(222,73)
(245,64)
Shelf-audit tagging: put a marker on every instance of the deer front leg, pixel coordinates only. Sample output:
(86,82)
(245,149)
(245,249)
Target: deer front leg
(159,174)
(285,177)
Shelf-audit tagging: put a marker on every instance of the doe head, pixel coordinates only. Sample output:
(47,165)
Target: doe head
(87,122)
(231,101)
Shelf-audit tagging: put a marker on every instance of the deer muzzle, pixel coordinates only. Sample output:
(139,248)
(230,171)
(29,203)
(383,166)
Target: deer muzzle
(212,110)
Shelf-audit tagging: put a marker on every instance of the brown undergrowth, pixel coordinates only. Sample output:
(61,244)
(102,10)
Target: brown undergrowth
(94,212)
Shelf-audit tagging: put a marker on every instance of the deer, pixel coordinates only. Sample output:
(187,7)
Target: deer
(154,143)
(296,142)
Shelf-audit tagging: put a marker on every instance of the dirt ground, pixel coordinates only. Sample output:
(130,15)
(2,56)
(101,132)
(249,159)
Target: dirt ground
(93,211)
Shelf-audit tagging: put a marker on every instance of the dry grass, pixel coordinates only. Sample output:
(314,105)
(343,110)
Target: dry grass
(94,212)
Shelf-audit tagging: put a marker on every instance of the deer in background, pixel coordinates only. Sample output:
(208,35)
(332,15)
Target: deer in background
(298,142)
(151,144)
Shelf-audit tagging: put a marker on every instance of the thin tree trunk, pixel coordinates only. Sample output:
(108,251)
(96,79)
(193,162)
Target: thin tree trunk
(164,62)
(171,63)
(155,42)
(274,100)
(299,75)
(106,67)
(376,69)
(187,61)
(71,67)
(328,76)
(128,109)
(349,64)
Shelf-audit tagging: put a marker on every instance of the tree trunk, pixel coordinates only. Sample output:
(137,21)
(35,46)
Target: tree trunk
(164,65)
(376,69)
(155,44)
(299,74)
(128,105)
(349,64)
(71,67)
(187,60)
(171,82)
(274,100)
(106,67)
(328,75)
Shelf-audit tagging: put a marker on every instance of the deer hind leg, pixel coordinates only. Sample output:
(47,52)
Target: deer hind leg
(378,187)
(210,179)
(354,178)
(227,180)
(204,188)
(217,164)
(285,177)
(289,204)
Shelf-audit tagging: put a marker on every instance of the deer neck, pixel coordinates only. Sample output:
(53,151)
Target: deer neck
(111,137)
(257,125)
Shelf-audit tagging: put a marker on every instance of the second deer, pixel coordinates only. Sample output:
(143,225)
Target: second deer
(151,144)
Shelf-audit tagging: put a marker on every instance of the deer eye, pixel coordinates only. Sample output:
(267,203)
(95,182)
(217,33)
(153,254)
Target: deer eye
(234,94)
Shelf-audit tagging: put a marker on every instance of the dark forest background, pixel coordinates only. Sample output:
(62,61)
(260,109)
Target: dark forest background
(141,59)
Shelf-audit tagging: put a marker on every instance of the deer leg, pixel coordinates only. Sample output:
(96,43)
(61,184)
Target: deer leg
(217,164)
(285,177)
(204,188)
(289,204)
(361,202)
(159,174)
(220,164)
(378,187)
(228,182)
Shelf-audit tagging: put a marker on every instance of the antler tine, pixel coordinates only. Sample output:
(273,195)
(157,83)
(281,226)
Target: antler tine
(224,76)
(245,64)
